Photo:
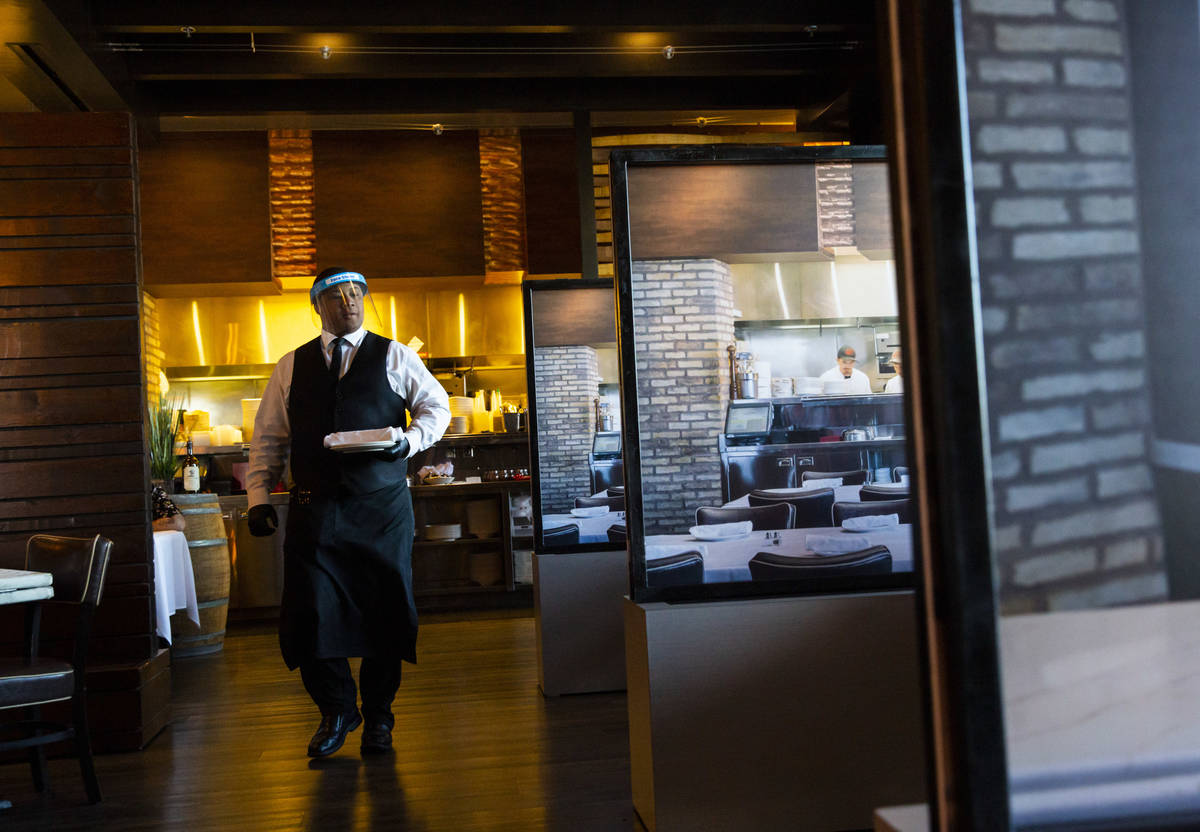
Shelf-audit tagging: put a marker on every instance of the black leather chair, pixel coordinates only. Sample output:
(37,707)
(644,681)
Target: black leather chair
(848,509)
(79,566)
(684,569)
(870,492)
(899,472)
(615,491)
(618,534)
(774,516)
(847,477)
(561,535)
(772,566)
(814,508)
(613,503)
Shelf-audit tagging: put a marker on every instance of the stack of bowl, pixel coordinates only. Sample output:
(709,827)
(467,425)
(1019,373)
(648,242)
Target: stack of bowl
(462,408)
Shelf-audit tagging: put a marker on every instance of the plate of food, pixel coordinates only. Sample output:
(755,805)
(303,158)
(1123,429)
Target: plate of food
(437,480)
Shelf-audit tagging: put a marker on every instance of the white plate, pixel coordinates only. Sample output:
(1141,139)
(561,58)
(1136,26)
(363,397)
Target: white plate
(363,447)
(722,531)
(437,481)
(589,511)
(870,523)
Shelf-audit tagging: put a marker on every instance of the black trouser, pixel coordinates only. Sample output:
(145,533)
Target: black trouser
(331,685)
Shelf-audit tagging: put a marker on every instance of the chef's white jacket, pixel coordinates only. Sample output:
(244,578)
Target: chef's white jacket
(856,383)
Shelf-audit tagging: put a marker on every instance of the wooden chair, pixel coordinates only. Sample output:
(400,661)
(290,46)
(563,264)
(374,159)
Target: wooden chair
(848,509)
(774,516)
(814,508)
(79,566)
(684,569)
(567,535)
(614,503)
(772,566)
(847,477)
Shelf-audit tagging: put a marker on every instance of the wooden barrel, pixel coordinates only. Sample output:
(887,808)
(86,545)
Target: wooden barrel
(209,548)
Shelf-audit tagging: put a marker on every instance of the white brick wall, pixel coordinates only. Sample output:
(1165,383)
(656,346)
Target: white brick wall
(567,381)
(1063,317)
(683,320)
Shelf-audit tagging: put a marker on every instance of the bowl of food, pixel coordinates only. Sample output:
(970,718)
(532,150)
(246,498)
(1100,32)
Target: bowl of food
(437,480)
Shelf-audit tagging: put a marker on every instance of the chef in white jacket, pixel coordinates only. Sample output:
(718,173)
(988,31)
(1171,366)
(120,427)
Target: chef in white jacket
(850,381)
(896,383)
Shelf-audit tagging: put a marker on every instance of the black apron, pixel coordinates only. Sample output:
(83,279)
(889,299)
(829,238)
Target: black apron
(348,548)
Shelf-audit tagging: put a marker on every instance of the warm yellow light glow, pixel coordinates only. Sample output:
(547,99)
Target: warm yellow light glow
(462,324)
(392,307)
(782,296)
(522,333)
(196,327)
(262,329)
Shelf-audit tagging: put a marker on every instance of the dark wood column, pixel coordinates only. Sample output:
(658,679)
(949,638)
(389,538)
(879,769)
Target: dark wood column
(72,444)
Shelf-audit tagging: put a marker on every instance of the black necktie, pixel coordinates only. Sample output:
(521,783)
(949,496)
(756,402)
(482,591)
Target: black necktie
(335,362)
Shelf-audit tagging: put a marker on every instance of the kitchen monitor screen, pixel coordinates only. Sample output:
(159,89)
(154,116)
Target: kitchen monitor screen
(606,443)
(748,419)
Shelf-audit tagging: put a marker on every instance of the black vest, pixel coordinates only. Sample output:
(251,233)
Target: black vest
(361,400)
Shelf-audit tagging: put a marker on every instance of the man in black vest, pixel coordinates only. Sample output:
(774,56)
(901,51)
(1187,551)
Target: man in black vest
(336,407)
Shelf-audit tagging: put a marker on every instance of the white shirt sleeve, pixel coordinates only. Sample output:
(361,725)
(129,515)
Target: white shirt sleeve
(272,438)
(428,404)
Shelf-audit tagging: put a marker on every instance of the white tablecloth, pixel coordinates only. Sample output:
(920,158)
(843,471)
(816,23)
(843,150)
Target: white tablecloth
(18,586)
(591,529)
(174,582)
(729,560)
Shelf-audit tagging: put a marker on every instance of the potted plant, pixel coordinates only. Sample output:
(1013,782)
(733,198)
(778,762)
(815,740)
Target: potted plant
(165,418)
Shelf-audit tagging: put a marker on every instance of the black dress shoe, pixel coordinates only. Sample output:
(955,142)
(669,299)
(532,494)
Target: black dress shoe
(332,733)
(376,738)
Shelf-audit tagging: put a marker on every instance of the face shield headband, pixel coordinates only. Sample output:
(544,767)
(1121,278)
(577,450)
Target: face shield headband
(343,279)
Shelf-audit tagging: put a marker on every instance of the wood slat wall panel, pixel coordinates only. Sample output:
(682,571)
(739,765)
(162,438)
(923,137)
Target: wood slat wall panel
(71,387)
(66,197)
(64,226)
(35,267)
(69,406)
(54,338)
(67,365)
(70,435)
(68,130)
(64,156)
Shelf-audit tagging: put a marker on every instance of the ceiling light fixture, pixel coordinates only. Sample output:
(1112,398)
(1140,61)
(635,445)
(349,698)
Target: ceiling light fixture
(668,52)
(437,129)
(326,52)
(188,31)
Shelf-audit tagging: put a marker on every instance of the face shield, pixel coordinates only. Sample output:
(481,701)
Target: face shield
(335,298)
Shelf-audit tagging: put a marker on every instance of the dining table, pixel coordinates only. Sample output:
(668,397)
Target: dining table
(19,586)
(174,581)
(729,560)
(591,529)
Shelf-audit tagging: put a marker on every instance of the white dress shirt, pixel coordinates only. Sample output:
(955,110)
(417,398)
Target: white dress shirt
(857,382)
(428,407)
(894,385)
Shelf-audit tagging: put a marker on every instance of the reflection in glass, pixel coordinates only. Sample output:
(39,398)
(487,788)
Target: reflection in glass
(769,449)
(579,475)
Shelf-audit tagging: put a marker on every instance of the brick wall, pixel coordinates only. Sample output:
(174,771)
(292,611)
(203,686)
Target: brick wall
(683,322)
(567,381)
(293,230)
(1064,325)
(152,350)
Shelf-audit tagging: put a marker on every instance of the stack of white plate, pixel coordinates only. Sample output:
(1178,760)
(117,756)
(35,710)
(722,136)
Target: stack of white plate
(462,408)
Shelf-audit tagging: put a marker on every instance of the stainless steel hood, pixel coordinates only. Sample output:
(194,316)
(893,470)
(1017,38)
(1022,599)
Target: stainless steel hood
(838,288)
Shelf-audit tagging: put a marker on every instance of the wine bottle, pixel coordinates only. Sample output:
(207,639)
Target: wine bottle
(191,471)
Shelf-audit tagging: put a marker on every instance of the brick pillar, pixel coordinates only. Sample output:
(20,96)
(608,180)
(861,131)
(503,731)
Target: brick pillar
(1064,327)
(683,322)
(151,347)
(567,381)
(293,231)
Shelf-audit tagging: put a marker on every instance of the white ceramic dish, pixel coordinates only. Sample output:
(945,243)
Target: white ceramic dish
(722,531)
(363,447)
(589,511)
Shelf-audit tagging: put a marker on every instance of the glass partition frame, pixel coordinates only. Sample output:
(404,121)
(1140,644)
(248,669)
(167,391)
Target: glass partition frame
(620,162)
(529,289)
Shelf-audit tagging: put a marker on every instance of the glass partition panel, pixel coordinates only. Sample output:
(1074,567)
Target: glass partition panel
(576,446)
(761,356)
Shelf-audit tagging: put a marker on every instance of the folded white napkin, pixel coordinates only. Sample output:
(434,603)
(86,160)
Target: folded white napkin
(871,521)
(722,531)
(356,437)
(589,511)
(831,545)
(665,550)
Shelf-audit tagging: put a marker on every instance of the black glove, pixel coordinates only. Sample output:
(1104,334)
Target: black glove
(262,519)
(397,451)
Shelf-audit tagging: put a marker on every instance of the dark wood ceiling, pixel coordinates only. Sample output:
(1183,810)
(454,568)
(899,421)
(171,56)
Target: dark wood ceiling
(196,57)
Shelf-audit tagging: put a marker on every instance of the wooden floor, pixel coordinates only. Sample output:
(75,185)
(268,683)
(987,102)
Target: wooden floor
(477,748)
